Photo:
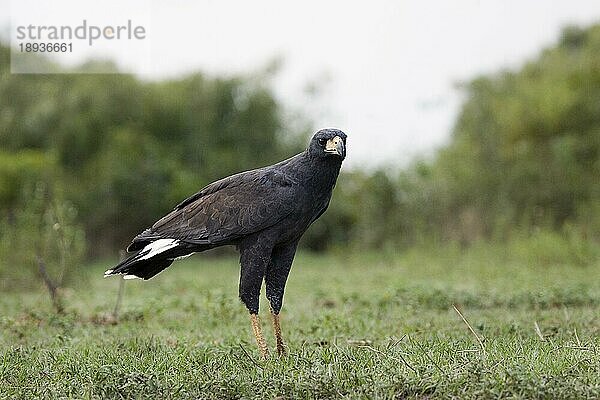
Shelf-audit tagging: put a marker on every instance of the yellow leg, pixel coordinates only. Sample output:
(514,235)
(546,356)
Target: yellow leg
(278,338)
(260,340)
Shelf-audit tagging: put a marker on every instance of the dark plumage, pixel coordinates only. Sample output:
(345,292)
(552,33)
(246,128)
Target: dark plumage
(263,212)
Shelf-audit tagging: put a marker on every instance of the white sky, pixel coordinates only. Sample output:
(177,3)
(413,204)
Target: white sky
(387,68)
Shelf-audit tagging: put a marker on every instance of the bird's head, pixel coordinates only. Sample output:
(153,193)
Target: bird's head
(328,143)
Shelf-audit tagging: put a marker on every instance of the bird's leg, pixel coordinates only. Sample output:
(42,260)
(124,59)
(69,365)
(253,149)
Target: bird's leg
(253,260)
(260,339)
(277,330)
(275,278)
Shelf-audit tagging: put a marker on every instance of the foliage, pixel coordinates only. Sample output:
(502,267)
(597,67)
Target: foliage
(526,147)
(125,150)
(20,170)
(360,325)
(524,156)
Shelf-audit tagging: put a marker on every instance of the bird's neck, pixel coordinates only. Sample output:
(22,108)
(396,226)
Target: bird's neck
(324,172)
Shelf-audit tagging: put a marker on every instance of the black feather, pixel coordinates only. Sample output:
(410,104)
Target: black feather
(263,212)
(143,269)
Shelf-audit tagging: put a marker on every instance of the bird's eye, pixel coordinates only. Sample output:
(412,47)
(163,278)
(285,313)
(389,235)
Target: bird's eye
(322,142)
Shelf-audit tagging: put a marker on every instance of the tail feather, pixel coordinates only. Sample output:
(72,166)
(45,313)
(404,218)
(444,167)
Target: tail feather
(150,260)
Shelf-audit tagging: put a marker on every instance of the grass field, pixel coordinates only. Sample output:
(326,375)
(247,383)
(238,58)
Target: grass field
(357,326)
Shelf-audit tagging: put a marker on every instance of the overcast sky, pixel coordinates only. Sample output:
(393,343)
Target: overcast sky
(387,69)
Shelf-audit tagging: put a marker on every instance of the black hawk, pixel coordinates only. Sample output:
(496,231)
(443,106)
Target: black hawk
(263,212)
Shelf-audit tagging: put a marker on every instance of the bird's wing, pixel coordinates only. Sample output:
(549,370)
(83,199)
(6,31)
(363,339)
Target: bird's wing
(227,210)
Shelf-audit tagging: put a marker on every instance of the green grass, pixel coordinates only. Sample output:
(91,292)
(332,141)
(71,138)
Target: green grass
(357,326)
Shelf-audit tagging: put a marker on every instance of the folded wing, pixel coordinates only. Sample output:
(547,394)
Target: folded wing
(226,210)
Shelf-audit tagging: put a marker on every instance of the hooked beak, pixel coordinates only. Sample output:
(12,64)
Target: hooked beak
(336,146)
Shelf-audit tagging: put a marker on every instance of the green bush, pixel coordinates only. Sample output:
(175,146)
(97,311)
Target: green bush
(41,243)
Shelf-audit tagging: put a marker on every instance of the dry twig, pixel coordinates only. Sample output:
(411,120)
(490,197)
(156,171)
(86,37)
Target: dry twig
(470,328)
(51,286)
(538,331)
